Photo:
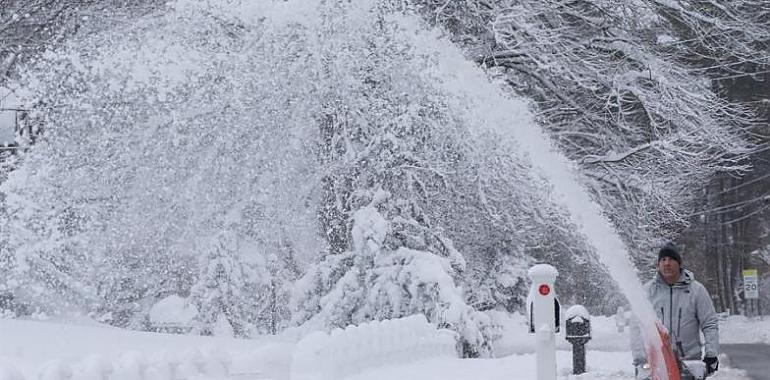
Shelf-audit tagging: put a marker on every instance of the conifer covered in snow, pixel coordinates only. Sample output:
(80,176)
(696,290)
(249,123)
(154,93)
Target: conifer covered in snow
(395,268)
(218,294)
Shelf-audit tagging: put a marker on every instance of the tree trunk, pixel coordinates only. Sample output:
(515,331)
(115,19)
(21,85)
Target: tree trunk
(719,249)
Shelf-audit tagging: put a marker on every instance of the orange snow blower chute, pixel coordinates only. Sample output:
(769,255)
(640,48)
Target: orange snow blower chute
(668,360)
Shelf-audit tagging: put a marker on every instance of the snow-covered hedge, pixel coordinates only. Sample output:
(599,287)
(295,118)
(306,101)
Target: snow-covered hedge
(322,356)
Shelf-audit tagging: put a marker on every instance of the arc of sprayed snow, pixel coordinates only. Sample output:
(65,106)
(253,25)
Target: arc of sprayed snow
(487,107)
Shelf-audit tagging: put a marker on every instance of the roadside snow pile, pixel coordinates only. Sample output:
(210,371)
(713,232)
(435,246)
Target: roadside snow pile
(740,329)
(52,351)
(131,365)
(321,356)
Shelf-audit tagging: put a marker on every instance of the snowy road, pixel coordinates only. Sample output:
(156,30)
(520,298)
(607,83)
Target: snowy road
(752,358)
(601,366)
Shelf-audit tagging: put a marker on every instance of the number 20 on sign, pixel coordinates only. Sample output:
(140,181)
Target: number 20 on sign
(750,283)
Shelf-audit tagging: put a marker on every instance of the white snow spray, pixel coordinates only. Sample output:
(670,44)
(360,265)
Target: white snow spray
(487,108)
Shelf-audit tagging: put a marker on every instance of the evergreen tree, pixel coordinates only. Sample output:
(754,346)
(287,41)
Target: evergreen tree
(396,268)
(219,290)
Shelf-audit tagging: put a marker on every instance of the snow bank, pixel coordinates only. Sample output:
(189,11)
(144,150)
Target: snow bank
(321,356)
(52,351)
(740,329)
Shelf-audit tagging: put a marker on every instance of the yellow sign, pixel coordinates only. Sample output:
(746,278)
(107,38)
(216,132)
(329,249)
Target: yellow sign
(750,284)
(750,273)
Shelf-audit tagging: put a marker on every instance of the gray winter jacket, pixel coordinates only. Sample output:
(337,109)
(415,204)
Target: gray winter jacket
(686,310)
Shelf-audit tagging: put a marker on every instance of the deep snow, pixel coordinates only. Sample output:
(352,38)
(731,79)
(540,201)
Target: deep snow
(35,348)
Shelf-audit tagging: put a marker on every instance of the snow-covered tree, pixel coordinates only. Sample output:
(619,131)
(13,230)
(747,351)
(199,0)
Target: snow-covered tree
(402,164)
(130,283)
(720,38)
(499,281)
(395,268)
(273,313)
(168,130)
(380,139)
(28,27)
(727,42)
(219,290)
(44,240)
(644,128)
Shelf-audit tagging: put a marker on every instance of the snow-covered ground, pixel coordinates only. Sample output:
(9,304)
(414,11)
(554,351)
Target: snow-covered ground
(52,351)
(516,339)
(739,329)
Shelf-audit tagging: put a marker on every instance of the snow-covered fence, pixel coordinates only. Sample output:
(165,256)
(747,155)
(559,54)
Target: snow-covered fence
(321,356)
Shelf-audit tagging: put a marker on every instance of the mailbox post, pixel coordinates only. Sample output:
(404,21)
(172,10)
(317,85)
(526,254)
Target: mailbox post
(543,316)
(578,325)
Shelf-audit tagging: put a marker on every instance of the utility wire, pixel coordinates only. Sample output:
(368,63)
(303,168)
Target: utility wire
(734,63)
(744,217)
(744,184)
(741,75)
(724,208)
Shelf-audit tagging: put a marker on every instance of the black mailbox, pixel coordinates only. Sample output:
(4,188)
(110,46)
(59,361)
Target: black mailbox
(578,333)
(578,329)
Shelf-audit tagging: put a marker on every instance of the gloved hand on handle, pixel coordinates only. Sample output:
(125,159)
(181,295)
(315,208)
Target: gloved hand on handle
(712,364)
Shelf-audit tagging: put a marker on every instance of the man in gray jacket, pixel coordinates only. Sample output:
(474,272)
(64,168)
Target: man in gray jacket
(684,306)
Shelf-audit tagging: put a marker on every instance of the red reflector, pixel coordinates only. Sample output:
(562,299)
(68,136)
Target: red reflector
(544,289)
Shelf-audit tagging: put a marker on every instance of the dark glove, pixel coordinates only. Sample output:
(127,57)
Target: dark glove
(712,364)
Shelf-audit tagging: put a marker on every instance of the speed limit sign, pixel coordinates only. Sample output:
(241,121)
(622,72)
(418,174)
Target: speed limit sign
(750,284)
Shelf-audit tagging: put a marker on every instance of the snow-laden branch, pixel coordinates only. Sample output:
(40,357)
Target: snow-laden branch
(615,157)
